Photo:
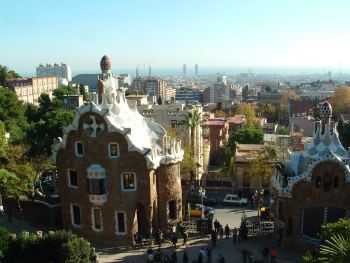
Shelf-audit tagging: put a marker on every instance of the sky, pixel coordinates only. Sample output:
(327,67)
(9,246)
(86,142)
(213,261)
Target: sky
(166,34)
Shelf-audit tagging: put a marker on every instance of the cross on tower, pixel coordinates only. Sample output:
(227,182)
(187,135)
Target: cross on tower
(93,127)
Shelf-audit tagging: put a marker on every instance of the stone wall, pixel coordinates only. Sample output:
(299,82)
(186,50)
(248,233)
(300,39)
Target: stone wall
(169,188)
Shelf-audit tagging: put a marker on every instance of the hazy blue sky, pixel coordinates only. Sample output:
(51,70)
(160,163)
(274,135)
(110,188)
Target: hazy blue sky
(228,33)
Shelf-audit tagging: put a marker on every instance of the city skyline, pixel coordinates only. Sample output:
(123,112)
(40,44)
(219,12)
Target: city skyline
(233,35)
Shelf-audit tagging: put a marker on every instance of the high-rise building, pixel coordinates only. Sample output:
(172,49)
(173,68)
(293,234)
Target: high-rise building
(61,71)
(184,70)
(196,69)
(221,91)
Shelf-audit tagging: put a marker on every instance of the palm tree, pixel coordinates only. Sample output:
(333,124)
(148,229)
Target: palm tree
(336,250)
(192,120)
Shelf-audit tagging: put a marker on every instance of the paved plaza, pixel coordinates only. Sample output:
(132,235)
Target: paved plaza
(232,215)
(231,252)
(225,247)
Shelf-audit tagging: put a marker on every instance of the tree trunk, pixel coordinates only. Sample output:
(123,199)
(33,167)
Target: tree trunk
(193,138)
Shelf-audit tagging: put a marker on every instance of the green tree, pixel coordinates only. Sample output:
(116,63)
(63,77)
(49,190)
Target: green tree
(282,130)
(188,164)
(6,74)
(59,246)
(12,114)
(10,187)
(50,126)
(47,121)
(342,226)
(192,121)
(246,136)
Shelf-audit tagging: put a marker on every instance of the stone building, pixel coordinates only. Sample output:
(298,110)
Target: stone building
(119,174)
(29,90)
(246,177)
(173,118)
(215,130)
(313,186)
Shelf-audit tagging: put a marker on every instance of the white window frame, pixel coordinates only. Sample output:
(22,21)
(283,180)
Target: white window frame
(72,215)
(109,150)
(122,182)
(93,219)
(69,181)
(76,149)
(117,232)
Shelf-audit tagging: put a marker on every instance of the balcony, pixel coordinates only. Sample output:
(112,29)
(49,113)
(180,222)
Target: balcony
(98,199)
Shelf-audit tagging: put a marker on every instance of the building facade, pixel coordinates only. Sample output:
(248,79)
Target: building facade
(61,71)
(313,186)
(220,92)
(188,95)
(250,173)
(119,173)
(154,87)
(29,90)
(173,118)
(215,130)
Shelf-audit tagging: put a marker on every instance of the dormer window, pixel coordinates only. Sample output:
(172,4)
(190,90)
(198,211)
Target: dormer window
(113,150)
(79,149)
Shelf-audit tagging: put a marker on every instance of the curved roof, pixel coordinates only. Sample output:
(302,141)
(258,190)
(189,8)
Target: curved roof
(325,146)
(143,135)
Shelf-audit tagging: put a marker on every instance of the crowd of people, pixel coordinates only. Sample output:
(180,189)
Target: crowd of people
(204,255)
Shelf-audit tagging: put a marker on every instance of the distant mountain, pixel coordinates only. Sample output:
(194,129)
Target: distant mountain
(87,79)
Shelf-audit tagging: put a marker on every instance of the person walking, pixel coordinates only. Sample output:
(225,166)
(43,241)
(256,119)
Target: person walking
(227,231)
(216,225)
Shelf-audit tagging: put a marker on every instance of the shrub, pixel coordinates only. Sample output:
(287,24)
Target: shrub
(4,241)
(56,247)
